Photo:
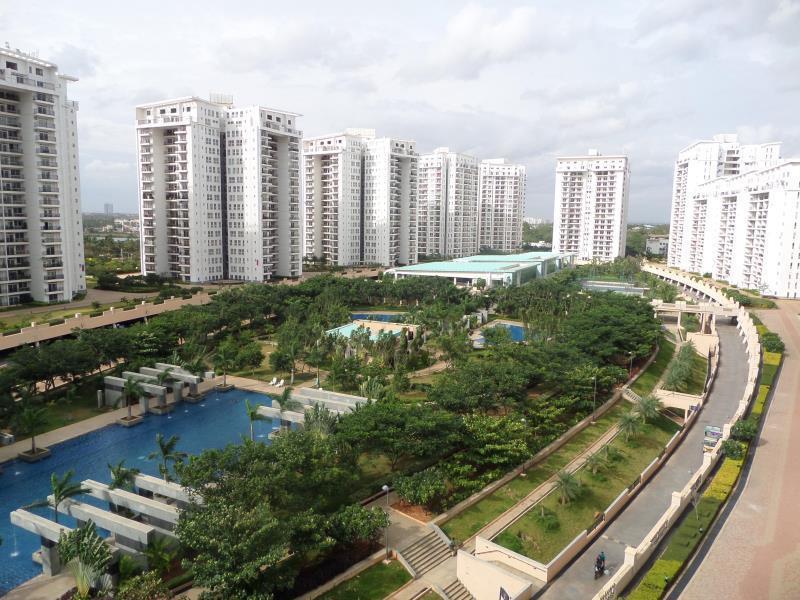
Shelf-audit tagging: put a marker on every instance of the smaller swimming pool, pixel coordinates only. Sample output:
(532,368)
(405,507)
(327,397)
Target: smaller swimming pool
(517,332)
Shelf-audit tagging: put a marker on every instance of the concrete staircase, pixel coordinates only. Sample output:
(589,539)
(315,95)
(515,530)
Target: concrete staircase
(426,553)
(456,591)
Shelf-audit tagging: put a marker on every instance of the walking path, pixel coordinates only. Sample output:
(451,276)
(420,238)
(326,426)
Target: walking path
(524,505)
(635,521)
(761,535)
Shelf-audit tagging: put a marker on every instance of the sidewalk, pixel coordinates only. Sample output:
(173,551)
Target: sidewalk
(635,521)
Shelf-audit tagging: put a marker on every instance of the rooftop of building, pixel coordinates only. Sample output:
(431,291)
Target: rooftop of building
(482,263)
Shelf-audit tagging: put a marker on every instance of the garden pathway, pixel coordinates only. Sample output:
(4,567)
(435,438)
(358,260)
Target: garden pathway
(761,535)
(636,520)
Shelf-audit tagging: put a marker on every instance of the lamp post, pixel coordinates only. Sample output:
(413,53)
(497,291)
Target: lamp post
(318,359)
(594,398)
(630,365)
(385,489)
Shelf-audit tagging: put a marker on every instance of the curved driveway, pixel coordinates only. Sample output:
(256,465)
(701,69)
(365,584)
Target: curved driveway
(632,525)
(757,551)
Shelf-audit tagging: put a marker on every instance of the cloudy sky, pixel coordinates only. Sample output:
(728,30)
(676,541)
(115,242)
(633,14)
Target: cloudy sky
(525,80)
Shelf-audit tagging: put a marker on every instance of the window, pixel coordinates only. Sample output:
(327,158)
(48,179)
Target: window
(39,72)
(11,65)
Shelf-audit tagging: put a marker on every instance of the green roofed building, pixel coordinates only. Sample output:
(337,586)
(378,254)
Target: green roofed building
(494,269)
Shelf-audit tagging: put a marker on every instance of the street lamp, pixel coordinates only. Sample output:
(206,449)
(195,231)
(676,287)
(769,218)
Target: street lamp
(594,398)
(385,489)
(630,365)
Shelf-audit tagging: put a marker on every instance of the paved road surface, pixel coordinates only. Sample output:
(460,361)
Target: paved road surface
(757,552)
(577,581)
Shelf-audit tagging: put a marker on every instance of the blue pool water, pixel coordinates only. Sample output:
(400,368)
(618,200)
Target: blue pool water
(517,332)
(218,420)
(385,317)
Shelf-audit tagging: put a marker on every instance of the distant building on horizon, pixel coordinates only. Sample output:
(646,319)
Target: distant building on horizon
(447,209)
(108,208)
(657,245)
(219,190)
(591,206)
(41,225)
(736,214)
(501,201)
(534,221)
(360,199)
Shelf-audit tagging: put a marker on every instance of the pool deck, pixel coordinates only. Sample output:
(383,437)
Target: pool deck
(79,428)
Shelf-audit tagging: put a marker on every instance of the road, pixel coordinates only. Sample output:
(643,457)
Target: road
(632,525)
(756,553)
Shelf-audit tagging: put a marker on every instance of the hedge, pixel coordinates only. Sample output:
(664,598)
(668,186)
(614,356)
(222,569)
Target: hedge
(55,322)
(761,399)
(768,374)
(772,358)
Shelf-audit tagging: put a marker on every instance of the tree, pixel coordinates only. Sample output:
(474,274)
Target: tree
(86,555)
(131,392)
(167,454)
(567,487)
(595,462)
(62,488)
(286,403)
(122,477)
(648,407)
(425,488)
(371,388)
(253,415)
(31,421)
(160,553)
(147,586)
(630,425)
(744,430)
(226,358)
(320,420)
(164,377)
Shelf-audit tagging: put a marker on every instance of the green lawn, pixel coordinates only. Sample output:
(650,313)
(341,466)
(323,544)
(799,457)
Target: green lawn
(697,380)
(645,383)
(375,583)
(526,536)
(469,522)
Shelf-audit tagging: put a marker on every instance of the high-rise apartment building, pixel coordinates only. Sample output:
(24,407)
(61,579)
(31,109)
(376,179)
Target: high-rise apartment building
(447,209)
(360,199)
(737,209)
(501,201)
(219,190)
(722,156)
(590,215)
(108,208)
(41,227)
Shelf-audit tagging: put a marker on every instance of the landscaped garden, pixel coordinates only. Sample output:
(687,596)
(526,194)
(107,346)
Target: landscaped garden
(374,583)
(646,382)
(275,509)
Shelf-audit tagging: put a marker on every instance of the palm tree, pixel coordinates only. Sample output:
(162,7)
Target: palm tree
(86,556)
(122,477)
(253,415)
(286,403)
(164,377)
(567,486)
(167,453)
(371,388)
(629,424)
(62,489)
(225,360)
(132,391)
(30,422)
(648,407)
(160,554)
(321,420)
(595,462)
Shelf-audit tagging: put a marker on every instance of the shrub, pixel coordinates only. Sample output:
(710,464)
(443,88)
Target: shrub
(733,449)
(547,519)
(744,430)
(426,487)
(768,374)
(96,313)
(772,358)
(772,342)
(656,581)
(761,399)
(52,322)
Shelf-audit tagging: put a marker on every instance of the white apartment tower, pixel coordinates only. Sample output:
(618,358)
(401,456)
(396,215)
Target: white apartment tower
(41,227)
(219,190)
(722,156)
(361,199)
(591,206)
(447,210)
(501,201)
(737,210)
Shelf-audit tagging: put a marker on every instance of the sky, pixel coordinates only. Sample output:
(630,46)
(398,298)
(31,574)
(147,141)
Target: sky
(527,81)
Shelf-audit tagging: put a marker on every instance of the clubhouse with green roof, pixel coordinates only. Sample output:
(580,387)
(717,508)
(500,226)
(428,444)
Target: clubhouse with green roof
(494,269)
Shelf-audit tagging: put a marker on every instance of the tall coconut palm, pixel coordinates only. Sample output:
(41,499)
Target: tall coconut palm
(131,392)
(630,425)
(122,477)
(167,454)
(253,415)
(62,488)
(30,422)
(648,407)
(567,487)
(285,403)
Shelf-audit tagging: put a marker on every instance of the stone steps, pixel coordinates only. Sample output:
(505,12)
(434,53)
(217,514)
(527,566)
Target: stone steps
(456,591)
(426,553)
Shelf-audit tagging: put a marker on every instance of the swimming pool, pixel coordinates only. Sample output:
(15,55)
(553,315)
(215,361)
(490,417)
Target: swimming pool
(213,423)
(385,317)
(517,332)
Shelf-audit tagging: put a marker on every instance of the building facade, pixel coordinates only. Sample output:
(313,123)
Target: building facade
(360,199)
(447,211)
(591,206)
(501,201)
(219,190)
(700,162)
(657,245)
(41,227)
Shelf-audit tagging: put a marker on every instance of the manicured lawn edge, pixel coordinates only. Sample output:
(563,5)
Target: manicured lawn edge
(374,582)
(648,378)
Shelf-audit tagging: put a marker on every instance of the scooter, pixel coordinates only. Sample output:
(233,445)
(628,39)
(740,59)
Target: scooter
(599,570)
